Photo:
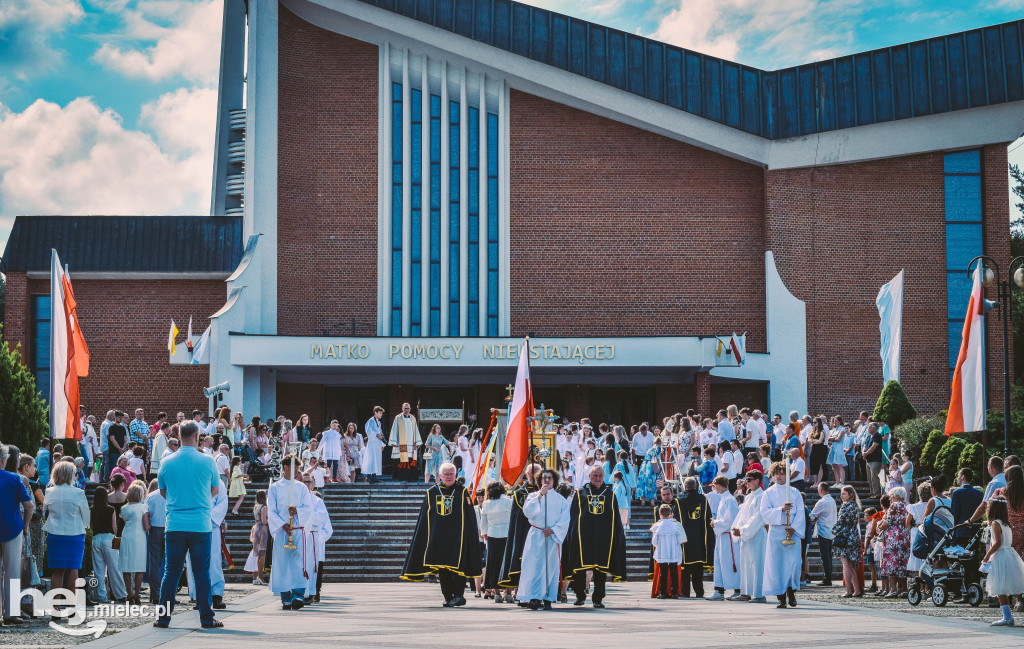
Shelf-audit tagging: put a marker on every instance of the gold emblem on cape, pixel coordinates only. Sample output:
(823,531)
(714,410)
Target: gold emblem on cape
(444,504)
(696,514)
(595,504)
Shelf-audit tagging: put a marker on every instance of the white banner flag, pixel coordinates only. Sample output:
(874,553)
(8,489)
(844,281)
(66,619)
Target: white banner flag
(890,314)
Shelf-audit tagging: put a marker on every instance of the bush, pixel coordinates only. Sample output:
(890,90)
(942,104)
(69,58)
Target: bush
(949,455)
(994,429)
(893,406)
(972,457)
(916,432)
(24,417)
(936,439)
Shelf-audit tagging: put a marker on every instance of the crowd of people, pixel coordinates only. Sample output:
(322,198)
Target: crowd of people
(727,494)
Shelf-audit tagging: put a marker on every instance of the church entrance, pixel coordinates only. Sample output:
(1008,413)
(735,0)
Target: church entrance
(625,406)
(351,404)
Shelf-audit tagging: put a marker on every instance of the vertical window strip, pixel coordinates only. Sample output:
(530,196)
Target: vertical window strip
(492,224)
(415,224)
(40,364)
(473,324)
(454,269)
(435,215)
(396,209)
(963,200)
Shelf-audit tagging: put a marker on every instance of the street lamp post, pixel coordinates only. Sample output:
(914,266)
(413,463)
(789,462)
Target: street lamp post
(1014,277)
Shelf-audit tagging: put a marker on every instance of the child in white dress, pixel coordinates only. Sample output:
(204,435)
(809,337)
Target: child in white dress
(1006,571)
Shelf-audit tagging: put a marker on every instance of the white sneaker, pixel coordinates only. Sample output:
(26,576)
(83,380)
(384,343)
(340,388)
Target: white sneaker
(717,597)
(1003,622)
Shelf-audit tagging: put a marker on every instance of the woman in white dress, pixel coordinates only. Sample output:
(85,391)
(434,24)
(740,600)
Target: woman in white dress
(915,516)
(462,448)
(475,449)
(333,452)
(354,449)
(132,560)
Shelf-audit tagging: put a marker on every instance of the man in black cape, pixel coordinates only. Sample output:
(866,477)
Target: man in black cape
(668,497)
(699,538)
(596,540)
(518,528)
(446,541)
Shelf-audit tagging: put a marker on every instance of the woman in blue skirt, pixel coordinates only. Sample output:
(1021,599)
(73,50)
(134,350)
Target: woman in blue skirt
(66,511)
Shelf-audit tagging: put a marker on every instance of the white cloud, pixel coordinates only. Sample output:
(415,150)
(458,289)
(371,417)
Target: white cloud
(79,159)
(769,34)
(26,27)
(168,39)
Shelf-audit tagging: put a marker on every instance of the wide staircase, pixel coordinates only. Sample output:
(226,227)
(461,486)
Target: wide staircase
(373,526)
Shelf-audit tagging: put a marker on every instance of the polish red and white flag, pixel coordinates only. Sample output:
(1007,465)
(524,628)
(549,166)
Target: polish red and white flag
(967,398)
(517,435)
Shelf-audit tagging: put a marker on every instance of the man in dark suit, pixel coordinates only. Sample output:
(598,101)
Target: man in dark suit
(965,500)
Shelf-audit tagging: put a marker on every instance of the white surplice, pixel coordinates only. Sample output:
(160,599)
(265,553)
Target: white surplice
(318,531)
(537,580)
(405,428)
(288,568)
(217,514)
(373,454)
(727,552)
(782,562)
(752,539)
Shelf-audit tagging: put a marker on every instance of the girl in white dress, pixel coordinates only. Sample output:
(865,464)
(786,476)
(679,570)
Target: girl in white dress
(132,561)
(1006,572)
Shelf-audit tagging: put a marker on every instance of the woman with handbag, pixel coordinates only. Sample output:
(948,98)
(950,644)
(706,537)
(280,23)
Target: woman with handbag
(133,550)
(105,557)
(433,455)
(846,541)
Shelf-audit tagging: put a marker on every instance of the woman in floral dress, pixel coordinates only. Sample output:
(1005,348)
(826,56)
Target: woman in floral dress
(846,542)
(896,544)
(437,446)
(650,471)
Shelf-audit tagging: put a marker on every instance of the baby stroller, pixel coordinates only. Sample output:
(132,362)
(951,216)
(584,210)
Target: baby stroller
(951,569)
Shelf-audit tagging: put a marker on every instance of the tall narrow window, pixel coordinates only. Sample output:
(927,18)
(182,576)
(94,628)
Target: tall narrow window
(492,224)
(963,238)
(473,164)
(415,218)
(454,218)
(396,209)
(40,358)
(435,215)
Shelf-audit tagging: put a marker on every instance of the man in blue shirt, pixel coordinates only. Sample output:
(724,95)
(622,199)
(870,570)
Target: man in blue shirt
(43,462)
(964,500)
(188,482)
(998,481)
(13,519)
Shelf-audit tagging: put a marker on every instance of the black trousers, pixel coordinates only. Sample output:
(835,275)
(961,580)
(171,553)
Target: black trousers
(825,550)
(693,575)
(579,585)
(319,576)
(452,584)
(669,573)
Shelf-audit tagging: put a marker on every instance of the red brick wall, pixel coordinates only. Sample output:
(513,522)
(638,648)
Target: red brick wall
(742,395)
(839,233)
(327,181)
(125,323)
(670,398)
(616,231)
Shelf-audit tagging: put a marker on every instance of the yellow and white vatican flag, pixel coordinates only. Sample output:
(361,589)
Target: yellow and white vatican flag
(967,398)
(172,338)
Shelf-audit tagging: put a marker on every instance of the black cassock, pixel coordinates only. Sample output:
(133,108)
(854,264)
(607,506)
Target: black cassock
(446,536)
(596,540)
(677,513)
(518,528)
(700,542)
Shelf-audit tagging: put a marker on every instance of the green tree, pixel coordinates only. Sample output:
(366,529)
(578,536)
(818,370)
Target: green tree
(936,439)
(24,417)
(972,457)
(893,407)
(949,456)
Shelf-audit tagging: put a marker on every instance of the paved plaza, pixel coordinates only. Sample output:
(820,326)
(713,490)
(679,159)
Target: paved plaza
(409,615)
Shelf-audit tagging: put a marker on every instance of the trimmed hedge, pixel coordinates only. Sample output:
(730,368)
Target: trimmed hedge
(948,458)
(893,407)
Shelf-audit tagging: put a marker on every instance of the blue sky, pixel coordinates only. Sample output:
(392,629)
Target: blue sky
(107,106)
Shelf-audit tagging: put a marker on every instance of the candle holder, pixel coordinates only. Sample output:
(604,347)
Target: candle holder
(290,545)
(789,532)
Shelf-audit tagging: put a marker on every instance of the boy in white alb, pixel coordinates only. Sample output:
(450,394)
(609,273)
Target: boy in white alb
(320,530)
(289,511)
(667,537)
(727,559)
(749,528)
(316,473)
(782,508)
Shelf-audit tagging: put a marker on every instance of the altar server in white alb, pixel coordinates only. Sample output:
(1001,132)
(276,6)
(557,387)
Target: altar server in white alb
(727,551)
(749,527)
(373,455)
(320,531)
(782,552)
(217,514)
(548,513)
(289,511)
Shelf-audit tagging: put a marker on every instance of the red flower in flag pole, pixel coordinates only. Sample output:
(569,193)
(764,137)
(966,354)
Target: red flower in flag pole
(517,436)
